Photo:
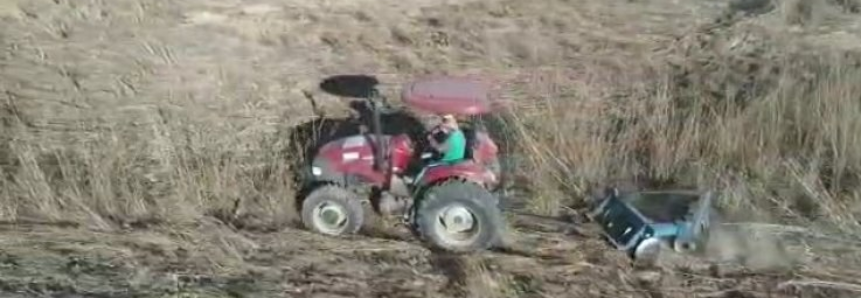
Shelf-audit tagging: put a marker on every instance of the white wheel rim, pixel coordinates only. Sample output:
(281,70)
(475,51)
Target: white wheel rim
(648,250)
(457,225)
(330,218)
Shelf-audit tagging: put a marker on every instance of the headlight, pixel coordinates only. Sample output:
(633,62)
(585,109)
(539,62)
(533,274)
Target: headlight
(316,171)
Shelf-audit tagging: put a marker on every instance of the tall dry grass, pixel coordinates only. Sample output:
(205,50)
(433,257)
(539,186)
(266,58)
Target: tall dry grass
(166,172)
(778,140)
(781,146)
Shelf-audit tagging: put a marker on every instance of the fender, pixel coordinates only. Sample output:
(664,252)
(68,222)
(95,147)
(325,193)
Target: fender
(468,170)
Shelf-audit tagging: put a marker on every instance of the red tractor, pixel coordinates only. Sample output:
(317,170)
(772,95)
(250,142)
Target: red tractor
(450,206)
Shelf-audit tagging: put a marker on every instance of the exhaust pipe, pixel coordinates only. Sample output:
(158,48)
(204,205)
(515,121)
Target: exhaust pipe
(378,134)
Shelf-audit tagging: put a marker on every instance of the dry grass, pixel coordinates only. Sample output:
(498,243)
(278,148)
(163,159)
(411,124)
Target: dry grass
(789,148)
(110,180)
(770,127)
(165,114)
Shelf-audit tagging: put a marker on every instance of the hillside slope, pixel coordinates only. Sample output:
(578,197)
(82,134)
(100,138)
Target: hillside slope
(146,145)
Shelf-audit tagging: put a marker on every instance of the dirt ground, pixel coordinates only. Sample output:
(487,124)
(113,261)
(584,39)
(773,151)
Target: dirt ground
(215,261)
(242,69)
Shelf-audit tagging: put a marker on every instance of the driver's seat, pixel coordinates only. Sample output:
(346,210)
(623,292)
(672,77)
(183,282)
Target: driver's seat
(470,135)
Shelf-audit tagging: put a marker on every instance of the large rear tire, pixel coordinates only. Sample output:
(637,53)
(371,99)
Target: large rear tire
(459,216)
(332,210)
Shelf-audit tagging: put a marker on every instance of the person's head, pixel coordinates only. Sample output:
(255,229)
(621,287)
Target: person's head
(449,121)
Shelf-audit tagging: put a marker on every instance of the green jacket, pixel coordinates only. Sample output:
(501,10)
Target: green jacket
(456,147)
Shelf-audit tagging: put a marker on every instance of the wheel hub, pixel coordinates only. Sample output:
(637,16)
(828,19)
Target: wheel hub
(457,219)
(648,250)
(331,218)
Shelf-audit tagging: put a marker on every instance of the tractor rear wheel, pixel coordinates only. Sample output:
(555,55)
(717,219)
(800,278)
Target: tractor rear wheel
(332,210)
(458,216)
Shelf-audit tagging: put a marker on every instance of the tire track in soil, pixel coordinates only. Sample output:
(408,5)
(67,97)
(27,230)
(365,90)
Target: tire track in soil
(453,267)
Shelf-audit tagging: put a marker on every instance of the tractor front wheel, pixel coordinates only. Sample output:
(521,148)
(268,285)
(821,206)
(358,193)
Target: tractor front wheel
(458,216)
(332,210)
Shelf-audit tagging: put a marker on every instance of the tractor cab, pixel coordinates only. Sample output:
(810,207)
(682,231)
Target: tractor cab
(466,99)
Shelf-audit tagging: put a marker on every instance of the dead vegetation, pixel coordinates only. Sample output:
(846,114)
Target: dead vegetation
(155,137)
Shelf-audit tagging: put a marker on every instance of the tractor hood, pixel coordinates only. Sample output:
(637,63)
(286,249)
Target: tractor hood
(348,150)
(349,156)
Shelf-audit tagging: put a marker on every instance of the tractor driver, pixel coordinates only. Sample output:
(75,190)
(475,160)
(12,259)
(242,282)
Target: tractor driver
(453,145)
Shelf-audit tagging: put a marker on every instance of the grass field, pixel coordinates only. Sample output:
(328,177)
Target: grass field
(145,146)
